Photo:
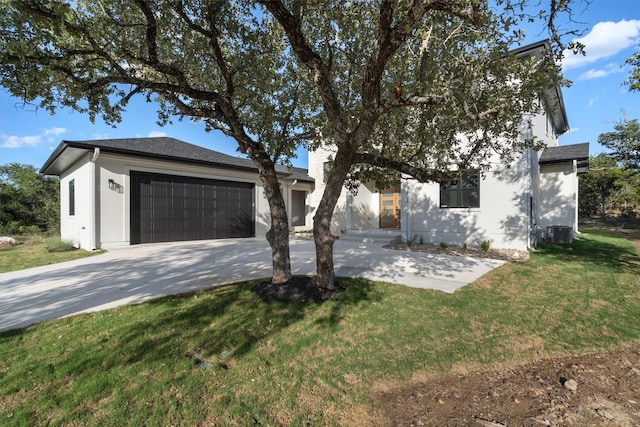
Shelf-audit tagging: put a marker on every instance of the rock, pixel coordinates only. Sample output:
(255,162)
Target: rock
(7,241)
(571,385)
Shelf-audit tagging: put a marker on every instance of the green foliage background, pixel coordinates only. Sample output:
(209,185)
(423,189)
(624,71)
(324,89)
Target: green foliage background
(29,202)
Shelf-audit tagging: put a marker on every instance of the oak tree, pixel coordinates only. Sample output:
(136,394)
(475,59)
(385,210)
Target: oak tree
(29,202)
(624,143)
(218,62)
(416,87)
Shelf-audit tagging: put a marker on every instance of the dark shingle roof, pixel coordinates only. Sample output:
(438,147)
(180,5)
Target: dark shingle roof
(161,148)
(567,153)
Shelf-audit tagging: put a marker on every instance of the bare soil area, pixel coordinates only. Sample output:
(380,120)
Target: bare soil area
(468,251)
(600,389)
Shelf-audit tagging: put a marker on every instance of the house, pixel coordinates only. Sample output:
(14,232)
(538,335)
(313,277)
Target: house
(534,198)
(118,192)
(141,190)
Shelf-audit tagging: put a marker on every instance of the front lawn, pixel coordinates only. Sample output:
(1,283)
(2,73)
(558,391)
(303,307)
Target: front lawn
(31,251)
(224,357)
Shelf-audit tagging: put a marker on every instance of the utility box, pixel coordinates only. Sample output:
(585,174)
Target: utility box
(559,234)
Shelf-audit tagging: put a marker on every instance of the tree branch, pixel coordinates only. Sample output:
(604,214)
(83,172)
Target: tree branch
(419,174)
(292,26)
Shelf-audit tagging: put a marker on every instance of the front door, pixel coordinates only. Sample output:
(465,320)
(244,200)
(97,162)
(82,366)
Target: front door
(390,207)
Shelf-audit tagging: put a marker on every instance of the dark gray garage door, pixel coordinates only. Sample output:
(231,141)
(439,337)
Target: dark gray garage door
(168,208)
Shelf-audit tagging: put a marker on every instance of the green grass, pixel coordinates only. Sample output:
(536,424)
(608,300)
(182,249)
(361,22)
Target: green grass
(276,364)
(32,251)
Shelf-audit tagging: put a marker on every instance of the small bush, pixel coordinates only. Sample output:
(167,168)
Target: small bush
(443,245)
(56,244)
(485,245)
(412,241)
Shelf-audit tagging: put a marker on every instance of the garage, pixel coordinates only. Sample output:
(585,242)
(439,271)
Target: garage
(168,208)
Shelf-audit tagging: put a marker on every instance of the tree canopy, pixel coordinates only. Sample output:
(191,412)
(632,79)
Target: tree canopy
(29,202)
(607,189)
(624,143)
(419,87)
(634,75)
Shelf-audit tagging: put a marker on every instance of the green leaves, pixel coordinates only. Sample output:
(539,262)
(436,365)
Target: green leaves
(624,143)
(27,199)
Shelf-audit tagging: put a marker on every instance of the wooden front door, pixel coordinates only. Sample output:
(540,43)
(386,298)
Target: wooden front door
(390,207)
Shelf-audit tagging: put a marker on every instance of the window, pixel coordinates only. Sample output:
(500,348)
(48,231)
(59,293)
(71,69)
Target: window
(326,170)
(464,193)
(72,197)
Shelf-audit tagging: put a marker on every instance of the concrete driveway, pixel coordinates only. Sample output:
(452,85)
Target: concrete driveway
(142,272)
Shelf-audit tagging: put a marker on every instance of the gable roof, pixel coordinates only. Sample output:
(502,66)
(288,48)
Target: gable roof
(160,148)
(567,153)
(552,97)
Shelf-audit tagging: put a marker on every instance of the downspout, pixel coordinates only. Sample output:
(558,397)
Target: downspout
(406,208)
(575,192)
(94,189)
(290,213)
(530,226)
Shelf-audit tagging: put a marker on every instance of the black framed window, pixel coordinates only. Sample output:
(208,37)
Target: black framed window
(463,193)
(326,169)
(72,197)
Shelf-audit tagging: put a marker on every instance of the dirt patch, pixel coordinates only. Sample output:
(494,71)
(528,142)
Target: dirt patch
(467,251)
(600,389)
(300,289)
(633,235)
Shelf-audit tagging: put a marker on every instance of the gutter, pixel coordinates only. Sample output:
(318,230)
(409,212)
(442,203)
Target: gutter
(94,190)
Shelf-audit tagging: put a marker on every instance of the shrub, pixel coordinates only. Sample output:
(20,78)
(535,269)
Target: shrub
(485,245)
(443,245)
(56,244)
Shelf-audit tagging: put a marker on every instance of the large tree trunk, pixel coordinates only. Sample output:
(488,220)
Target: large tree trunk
(278,234)
(325,274)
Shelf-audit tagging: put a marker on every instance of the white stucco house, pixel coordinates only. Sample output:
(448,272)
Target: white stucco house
(119,192)
(116,192)
(141,190)
(511,206)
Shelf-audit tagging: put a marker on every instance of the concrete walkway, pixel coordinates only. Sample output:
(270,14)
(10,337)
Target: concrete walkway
(142,272)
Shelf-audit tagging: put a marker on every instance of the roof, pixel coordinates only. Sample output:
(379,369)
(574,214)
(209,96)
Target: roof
(568,153)
(161,148)
(554,101)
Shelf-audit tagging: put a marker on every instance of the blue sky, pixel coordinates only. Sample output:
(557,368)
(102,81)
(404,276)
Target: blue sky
(596,99)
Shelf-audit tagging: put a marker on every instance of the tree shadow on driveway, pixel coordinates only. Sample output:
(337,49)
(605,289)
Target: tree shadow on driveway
(144,272)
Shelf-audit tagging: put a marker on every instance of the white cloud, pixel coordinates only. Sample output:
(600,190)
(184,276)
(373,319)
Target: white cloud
(14,141)
(602,72)
(55,131)
(605,39)
(156,134)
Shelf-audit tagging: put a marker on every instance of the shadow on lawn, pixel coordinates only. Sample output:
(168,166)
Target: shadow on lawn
(594,249)
(229,321)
